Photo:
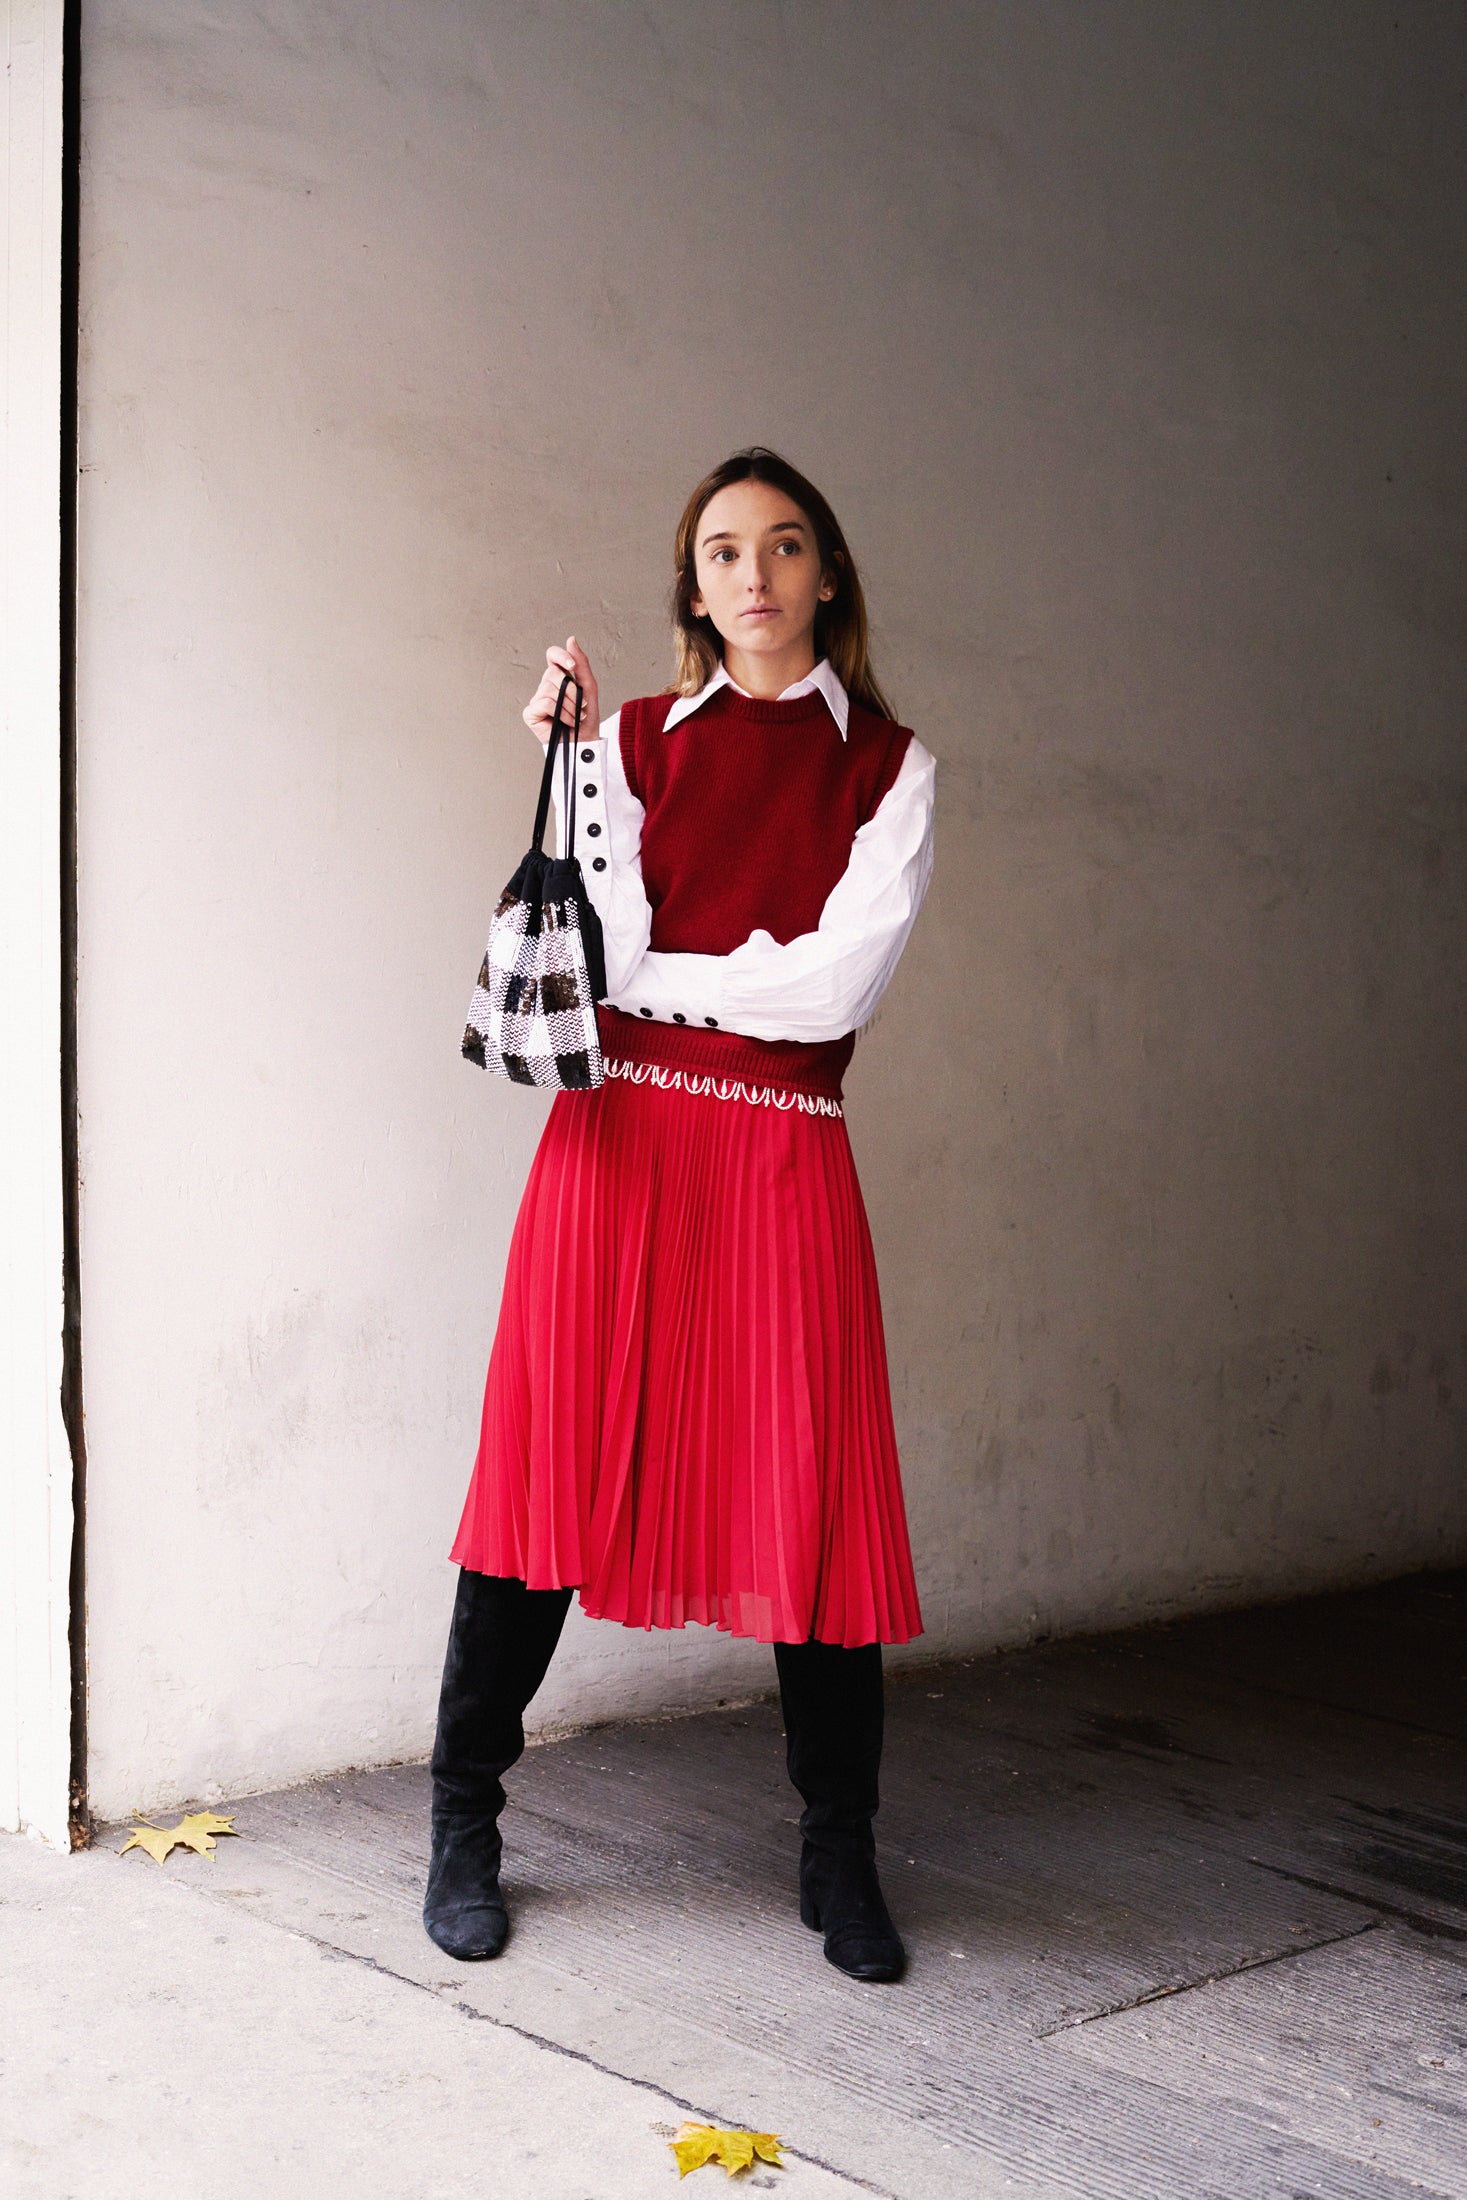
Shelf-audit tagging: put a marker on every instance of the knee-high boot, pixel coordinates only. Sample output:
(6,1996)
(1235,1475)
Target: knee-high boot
(832,1701)
(500,1643)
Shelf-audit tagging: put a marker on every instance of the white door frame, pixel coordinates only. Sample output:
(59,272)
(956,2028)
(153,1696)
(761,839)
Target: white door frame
(36,1473)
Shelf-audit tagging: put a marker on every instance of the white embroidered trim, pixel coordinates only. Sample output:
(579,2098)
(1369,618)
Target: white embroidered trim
(724,1088)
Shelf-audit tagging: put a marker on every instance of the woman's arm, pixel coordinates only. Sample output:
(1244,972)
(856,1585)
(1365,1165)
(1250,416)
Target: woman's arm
(813,988)
(609,846)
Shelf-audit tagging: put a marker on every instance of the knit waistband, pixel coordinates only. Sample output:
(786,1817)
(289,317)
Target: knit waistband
(776,1065)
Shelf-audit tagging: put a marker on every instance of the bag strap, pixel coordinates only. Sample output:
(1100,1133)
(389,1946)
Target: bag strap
(559,731)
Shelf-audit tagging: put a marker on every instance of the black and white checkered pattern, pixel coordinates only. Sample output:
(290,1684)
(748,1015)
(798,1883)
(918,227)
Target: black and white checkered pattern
(533,1015)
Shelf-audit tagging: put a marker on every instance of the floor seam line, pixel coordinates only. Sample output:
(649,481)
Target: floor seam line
(1431,1928)
(1213,1978)
(337,1953)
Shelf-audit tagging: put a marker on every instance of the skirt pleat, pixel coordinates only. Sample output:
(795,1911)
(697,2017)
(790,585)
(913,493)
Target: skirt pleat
(687,1415)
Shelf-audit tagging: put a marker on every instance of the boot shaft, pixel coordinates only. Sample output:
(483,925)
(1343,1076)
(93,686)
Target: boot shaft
(501,1639)
(833,1703)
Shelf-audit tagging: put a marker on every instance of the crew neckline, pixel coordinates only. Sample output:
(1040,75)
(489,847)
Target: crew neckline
(776,709)
(822,682)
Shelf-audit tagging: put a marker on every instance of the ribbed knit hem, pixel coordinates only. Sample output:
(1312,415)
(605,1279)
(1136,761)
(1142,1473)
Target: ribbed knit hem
(783,1065)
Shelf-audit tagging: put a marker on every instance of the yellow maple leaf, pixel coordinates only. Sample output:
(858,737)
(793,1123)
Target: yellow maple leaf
(695,2144)
(195,1832)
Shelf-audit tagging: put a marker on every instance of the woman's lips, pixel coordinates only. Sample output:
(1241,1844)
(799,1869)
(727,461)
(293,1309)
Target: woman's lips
(761,611)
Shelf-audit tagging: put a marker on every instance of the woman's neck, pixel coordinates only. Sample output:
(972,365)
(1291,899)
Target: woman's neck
(767,675)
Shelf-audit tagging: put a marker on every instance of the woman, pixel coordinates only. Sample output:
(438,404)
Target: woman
(687,1414)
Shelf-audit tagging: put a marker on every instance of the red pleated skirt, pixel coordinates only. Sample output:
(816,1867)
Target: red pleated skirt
(687,1414)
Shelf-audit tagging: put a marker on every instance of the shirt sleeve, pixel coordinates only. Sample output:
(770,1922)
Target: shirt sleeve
(609,845)
(824,983)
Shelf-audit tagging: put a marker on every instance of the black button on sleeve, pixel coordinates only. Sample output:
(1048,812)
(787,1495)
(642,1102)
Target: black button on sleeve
(598,863)
(646,1011)
(678,1017)
(711,1020)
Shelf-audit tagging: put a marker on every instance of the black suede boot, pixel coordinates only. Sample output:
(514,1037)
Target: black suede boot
(500,1643)
(832,1701)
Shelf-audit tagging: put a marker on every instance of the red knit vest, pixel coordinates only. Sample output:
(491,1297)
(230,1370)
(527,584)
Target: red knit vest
(751,810)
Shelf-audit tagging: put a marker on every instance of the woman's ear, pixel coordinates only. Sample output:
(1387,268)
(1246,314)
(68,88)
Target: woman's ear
(697,606)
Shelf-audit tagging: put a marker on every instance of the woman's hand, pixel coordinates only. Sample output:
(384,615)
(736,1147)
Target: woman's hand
(540,710)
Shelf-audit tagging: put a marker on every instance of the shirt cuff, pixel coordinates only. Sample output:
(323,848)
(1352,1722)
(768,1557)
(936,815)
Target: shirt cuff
(593,842)
(676,989)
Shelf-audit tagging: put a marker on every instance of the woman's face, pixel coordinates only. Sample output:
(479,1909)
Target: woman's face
(758,569)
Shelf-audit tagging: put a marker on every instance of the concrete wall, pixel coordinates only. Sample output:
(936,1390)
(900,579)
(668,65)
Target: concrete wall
(1126,339)
(36,1511)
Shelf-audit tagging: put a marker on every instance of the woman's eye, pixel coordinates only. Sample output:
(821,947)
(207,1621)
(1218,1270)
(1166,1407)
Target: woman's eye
(794,548)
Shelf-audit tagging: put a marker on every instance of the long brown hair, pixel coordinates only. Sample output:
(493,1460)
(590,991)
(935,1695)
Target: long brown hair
(840,625)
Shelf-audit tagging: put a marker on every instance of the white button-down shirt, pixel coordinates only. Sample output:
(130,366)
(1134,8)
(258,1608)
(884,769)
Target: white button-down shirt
(816,987)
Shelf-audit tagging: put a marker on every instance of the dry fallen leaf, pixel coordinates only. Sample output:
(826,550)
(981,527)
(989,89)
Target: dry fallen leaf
(195,1832)
(695,2144)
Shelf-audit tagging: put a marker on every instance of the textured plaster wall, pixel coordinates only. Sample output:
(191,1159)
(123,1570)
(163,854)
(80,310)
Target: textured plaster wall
(1127,341)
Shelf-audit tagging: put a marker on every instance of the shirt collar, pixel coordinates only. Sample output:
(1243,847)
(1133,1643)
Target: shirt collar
(822,681)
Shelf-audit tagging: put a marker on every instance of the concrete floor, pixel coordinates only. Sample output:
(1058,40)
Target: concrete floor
(1187,1908)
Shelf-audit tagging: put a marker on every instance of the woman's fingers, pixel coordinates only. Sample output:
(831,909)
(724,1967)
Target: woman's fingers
(590,727)
(581,664)
(539,714)
(573,660)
